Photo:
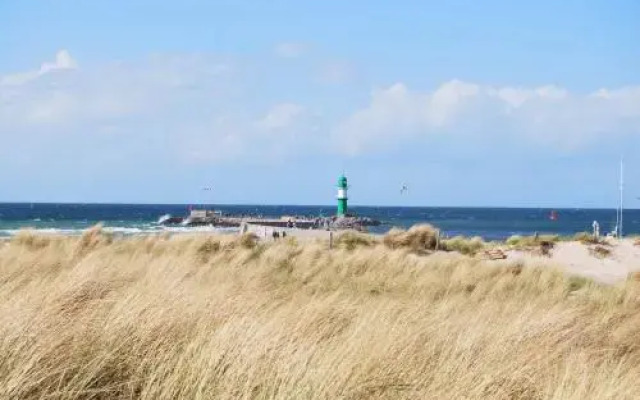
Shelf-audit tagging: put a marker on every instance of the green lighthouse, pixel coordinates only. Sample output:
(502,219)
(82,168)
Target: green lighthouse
(342,196)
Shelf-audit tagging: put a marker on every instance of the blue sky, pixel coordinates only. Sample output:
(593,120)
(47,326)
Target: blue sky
(470,103)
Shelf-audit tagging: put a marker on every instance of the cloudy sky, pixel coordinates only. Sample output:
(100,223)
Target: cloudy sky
(469,103)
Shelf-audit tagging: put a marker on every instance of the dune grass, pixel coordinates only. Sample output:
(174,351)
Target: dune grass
(227,318)
(523,242)
(463,245)
(600,251)
(350,240)
(418,238)
(586,238)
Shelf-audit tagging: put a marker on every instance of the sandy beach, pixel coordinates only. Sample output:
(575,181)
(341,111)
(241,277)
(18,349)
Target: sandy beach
(571,256)
(574,257)
(578,258)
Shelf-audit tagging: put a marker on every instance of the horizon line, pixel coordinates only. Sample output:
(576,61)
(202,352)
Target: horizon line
(304,205)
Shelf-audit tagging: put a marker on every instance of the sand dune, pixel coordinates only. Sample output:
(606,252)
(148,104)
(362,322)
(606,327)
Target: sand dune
(199,316)
(576,258)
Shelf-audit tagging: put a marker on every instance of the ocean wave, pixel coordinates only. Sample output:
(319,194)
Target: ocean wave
(124,230)
(211,229)
(146,229)
(42,231)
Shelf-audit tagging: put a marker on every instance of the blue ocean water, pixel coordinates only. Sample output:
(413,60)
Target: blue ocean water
(490,223)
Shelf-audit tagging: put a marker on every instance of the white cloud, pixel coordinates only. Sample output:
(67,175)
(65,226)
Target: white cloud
(199,108)
(63,61)
(290,49)
(447,101)
(547,115)
(111,92)
(281,116)
(189,108)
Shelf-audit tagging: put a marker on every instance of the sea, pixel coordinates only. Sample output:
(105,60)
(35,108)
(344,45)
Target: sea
(141,219)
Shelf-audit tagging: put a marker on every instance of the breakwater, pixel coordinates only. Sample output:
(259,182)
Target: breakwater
(212,218)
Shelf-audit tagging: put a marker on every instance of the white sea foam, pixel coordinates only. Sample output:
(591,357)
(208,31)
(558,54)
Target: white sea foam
(42,231)
(122,230)
(209,229)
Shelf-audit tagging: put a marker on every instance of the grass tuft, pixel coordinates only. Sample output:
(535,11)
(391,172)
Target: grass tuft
(600,251)
(529,242)
(417,238)
(248,240)
(586,238)
(31,240)
(351,240)
(464,245)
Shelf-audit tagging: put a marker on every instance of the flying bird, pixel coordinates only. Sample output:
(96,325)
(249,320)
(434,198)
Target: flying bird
(404,188)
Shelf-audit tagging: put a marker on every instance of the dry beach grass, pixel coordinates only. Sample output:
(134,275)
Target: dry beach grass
(224,317)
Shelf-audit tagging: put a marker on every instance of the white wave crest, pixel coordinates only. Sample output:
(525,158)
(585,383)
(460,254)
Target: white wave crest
(121,230)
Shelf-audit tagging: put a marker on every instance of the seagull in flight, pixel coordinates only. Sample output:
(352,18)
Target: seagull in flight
(404,188)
